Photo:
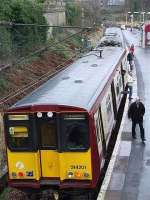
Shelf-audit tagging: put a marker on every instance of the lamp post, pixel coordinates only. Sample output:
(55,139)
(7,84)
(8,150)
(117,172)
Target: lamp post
(136,14)
(143,17)
(131,16)
(128,13)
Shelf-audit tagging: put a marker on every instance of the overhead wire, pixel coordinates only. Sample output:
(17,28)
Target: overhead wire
(45,48)
(11,24)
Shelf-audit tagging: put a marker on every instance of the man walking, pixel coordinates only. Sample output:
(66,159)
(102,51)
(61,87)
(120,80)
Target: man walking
(132,49)
(135,113)
(130,60)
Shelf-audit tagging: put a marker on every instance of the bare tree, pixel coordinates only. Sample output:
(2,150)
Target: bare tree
(92,11)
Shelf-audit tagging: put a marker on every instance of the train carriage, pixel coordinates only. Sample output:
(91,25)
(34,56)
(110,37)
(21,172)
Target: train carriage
(57,136)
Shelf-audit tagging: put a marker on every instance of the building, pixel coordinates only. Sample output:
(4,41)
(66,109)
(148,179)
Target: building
(55,12)
(116,2)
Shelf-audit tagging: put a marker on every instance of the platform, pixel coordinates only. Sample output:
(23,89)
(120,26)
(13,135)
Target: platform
(128,174)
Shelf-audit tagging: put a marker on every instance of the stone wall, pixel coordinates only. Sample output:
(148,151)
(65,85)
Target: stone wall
(55,12)
(56,18)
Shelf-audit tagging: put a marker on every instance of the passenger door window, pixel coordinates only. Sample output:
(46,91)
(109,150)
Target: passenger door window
(46,127)
(48,134)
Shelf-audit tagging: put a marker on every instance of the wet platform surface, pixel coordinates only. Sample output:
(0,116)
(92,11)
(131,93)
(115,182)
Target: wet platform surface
(128,176)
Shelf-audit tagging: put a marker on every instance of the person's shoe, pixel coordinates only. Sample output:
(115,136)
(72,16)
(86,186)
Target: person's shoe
(134,137)
(143,139)
(143,142)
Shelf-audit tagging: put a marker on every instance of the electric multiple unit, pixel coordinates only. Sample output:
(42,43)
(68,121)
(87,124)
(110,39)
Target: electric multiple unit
(58,135)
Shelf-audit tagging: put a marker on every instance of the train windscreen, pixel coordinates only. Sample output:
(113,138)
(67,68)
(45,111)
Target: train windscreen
(74,129)
(19,132)
(47,131)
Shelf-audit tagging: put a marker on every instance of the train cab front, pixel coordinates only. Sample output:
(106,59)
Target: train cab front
(48,149)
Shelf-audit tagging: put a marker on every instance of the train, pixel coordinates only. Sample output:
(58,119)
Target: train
(57,136)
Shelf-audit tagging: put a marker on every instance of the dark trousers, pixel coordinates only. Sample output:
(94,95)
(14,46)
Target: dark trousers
(131,65)
(141,129)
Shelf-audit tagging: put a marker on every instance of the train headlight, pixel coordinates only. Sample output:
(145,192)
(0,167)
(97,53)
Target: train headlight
(39,114)
(70,174)
(49,114)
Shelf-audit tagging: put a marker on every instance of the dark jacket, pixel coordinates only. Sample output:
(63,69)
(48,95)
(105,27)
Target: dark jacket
(136,113)
(129,57)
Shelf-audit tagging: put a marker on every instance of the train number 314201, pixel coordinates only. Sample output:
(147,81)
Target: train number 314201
(77,167)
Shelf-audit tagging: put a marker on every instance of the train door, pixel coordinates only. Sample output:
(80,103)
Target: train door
(118,87)
(46,127)
(100,134)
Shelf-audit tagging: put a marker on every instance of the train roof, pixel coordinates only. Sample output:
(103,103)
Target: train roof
(79,85)
(113,37)
(113,30)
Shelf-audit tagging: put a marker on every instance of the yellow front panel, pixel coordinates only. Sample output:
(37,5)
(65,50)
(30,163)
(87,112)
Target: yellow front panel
(50,163)
(77,163)
(56,164)
(24,165)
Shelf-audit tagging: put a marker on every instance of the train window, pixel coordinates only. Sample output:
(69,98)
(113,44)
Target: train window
(75,132)
(109,107)
(97,131)
(19,132)
(46,127)
(125,65)
(120,82)
(48,134)
(117,89)
(19,136)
